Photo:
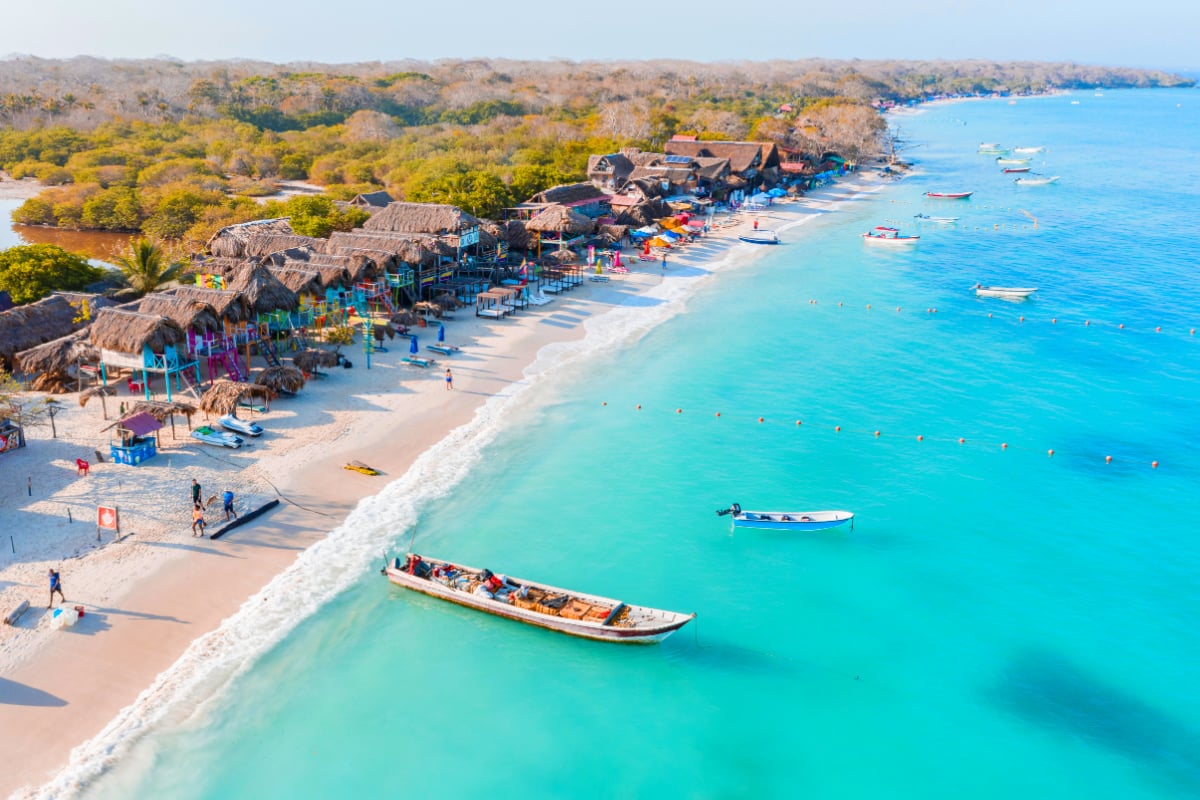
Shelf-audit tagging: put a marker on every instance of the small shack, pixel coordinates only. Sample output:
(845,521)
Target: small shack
(11,436)
(138,439)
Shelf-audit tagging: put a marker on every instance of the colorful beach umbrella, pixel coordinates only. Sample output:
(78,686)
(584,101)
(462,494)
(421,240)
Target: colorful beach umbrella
(412,346)
(441,333)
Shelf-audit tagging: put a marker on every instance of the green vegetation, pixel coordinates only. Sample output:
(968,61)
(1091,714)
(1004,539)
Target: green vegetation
(30,272)
(146,266)
(178,150)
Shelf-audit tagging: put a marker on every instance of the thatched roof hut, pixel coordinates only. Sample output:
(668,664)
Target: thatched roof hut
(571,194)
(413,249)
(222,398)
(125,331)
(230,241)
(558,257)
(230,306)
(560,219)
(513,232)
(372,201)
(264,244)
(57,356)
(645,213)
(281,379)
(161,411)
(358,263)
(263,291)
(300,281)
(312,358)
(404,318)
(186,312)
(29,325)
(329,276)
(433,218)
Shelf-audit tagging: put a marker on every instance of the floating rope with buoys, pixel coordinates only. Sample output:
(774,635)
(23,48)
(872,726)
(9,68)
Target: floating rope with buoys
(877,433)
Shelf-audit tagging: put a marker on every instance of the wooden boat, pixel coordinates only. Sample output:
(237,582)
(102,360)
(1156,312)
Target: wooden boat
(588,616)
(760,236)
(1036,180)
(949,195)
(1016,169)
(929,218)
(1006,292)
(786,520)
(1028,151)
(217,438)
(358,466)
(1012,162)
(238,425)
(884,235)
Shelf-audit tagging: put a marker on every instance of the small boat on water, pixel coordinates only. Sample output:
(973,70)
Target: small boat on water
(949,195)
(238,425)
(884,235)
(991,149)
(1037,180)
(931,218)
(1004,292)
(761,236)
(1028,151)
(1016,169)
(574,613)
(1012,162)
(786,520)
(216,438)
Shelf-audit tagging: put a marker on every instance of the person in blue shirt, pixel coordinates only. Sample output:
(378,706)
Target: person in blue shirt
(227,498)
(55,586)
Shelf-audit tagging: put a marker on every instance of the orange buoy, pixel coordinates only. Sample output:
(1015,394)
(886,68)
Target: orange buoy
(718,413)
(1108,459)
(1154,464)
(1049,452)
(920,438)
(877,433)
(1121,326)
(797,423)
(837,428)
(604,404)
(961,440)
(1004,445)
(679,411)
(1020,319)
(639,406)
(1158,329)
(1054,320)
(868,306)
(760,419)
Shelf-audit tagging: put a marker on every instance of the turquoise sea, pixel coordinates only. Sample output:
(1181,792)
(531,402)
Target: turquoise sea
(999,623)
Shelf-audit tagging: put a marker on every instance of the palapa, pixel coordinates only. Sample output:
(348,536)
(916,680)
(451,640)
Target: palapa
(309,360)
(560,219)
(230,241)
(264,244)
(56,357)
(300,281)
(27,326)
(125,331)
(420,218)
(186,312)
(229,306)
(223,396)
(263,290)
(404,318)
(283,378)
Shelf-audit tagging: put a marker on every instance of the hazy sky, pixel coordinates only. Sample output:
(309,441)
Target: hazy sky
(1150,33)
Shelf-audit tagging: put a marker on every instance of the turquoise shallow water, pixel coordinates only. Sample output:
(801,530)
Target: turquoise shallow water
(998,622)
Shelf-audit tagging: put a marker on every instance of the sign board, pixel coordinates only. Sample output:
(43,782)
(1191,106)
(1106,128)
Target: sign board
(468,237)
(108,519)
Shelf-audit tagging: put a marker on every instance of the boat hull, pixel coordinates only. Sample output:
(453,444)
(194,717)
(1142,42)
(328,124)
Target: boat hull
(871,238)
(753,239)
(1006,292)
(797,521)
(949,195)
(663,623)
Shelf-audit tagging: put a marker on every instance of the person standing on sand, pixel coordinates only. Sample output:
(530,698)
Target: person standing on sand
(195,492)
(55,586)
(755,224)
(227,499)
(449,380)
(198,522)
(664,264)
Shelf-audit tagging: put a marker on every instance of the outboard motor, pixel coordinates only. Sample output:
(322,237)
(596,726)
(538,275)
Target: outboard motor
(734,509)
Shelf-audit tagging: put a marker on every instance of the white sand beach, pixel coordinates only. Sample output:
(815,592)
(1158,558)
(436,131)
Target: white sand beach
(149,594)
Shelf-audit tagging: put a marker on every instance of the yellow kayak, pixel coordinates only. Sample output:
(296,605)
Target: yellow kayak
(358,466)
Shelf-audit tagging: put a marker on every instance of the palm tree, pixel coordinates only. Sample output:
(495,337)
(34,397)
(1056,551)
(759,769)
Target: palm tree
(145,266)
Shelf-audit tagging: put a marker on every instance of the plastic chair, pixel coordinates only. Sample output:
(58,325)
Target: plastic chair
(134,388)
(81,466)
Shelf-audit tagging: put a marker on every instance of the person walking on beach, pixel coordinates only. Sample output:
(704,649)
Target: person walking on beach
(227,499)
(195,492)
(664,264)
(55,586)
(449,380)
(198,522)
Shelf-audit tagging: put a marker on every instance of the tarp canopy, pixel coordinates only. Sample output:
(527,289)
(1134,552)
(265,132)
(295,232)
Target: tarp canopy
(140,424)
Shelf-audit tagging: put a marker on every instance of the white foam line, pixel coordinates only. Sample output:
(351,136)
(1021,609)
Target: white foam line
(330,566)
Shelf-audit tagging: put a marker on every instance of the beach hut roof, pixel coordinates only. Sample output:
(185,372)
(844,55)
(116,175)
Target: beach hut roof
(227,305)
(57,355)
(570,194)
(265,244)
(328,275)
(560,219)
(187,312)
(126,331)
(308,360)
(230,241)
(281,378)
(32,324)
(742,155)
(139,424)
(223,396)
(263,291)
(162,411)
(403,217)
(372,200)
(408,248)
(299,280)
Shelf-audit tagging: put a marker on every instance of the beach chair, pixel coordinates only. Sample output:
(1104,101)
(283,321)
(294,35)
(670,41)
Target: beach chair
(134,387)
(82,466)
(417,361)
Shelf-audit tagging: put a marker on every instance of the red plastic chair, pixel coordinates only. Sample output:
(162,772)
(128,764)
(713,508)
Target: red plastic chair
(134,388)
(81,467)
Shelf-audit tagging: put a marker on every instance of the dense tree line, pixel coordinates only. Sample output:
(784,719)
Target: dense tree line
(177,150)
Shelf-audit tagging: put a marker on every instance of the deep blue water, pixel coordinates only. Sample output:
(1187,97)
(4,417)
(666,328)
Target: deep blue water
(999,622)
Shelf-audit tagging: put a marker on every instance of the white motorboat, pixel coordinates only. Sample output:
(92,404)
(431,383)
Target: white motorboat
(1004,292)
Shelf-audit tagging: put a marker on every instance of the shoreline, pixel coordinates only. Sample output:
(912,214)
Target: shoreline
(170,639)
